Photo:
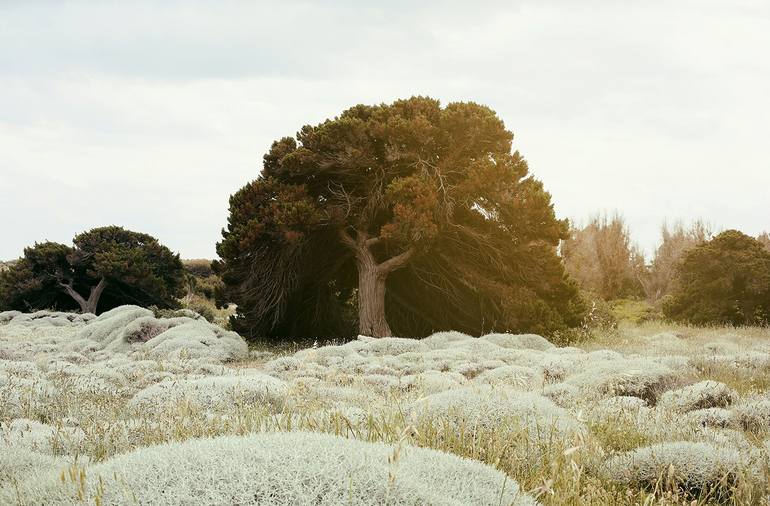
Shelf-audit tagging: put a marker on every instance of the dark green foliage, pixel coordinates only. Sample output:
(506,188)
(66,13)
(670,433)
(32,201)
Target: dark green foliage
(133,267)
(724,280)
(435,190)
(33,281)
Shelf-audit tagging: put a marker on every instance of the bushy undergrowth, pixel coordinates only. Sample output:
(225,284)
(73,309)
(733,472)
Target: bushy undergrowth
(296,468)
(657,419)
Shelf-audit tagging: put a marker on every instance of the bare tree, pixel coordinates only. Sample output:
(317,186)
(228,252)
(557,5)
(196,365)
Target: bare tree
(676,240)
(601,257)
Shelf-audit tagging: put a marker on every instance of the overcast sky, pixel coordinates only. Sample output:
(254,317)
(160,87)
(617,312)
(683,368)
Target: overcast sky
(150,114)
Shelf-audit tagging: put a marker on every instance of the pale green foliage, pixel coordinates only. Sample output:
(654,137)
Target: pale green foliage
(754,415)
(19,464)
(40,437)
(520,341)
(212,392)
(638,377)
(693,467)
(547,417)
(131,329)
(535,427)
(515,375)
(296,468)
(712,417)
(706,394)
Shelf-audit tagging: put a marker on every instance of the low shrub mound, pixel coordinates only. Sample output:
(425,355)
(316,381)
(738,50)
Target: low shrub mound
(295,468)
(19,465)
(131,329)
(515,375)
(214,392)
(697,469)
(636,377)
(535,428)
(49,318)
(520,341)
(712,417)
(40,437)
(706,394)
(753,415)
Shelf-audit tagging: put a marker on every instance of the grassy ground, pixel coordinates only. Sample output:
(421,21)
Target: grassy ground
(566,474)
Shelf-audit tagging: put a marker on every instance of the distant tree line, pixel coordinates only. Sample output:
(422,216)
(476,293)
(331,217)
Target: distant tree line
(693,275)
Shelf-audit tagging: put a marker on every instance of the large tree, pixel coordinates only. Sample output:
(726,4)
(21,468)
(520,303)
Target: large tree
(724,280)
(104,268)
(412,207)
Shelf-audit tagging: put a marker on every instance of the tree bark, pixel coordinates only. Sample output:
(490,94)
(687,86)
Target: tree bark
(371,283)
(89,305)
(371,297)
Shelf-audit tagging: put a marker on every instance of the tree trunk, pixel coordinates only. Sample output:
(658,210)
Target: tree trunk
(371,283)
(371,298)
(86,306)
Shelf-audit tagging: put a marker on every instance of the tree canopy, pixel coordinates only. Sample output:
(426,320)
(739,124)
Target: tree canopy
(104,268)
(409,209)
(724,280)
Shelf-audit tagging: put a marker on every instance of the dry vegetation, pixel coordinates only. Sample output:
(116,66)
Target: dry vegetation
(111,411)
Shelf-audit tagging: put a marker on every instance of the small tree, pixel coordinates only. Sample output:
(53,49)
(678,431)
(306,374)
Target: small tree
(602,259)
(411,205)
(676,241)
(106,267)
(724,280)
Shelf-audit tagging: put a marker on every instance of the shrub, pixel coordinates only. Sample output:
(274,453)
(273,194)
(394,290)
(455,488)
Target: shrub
(514,375)
(282,469)
(39,437)
(535,427)
(519,341)
(19,465)
(712,417)
(126,327)
(637,377)
(214,392)
(724,280)
(753,415)
(695,469)
(706,394)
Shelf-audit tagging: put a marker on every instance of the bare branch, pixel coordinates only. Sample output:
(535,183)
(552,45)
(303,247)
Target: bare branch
(397,261)
(67,287)
(346,239)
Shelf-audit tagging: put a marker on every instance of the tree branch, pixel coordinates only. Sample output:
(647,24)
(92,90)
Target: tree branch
(67,287)
(346,239)
(96,293)
(397,261)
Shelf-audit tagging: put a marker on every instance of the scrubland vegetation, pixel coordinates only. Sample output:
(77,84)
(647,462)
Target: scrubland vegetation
(127,408)
(599,377)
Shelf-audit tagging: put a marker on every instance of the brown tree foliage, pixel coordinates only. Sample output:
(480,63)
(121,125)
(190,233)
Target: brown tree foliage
(601,257)
(764,240)
(676,241)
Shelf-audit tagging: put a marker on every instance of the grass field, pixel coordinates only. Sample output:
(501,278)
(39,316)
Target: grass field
(647,413)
